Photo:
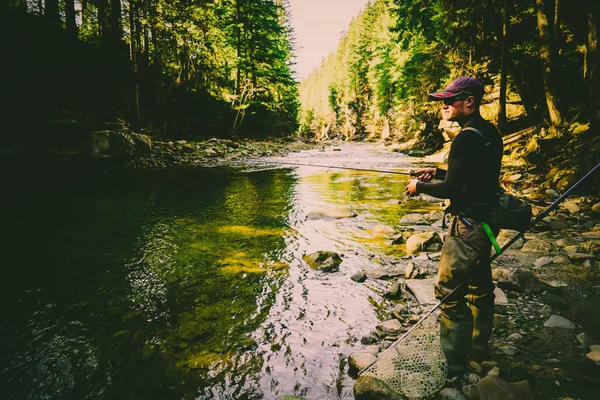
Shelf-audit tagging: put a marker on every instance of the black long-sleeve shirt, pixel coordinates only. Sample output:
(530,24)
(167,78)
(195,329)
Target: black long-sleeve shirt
(473,169)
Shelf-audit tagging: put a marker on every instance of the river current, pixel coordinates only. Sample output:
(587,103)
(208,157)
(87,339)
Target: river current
(189,283)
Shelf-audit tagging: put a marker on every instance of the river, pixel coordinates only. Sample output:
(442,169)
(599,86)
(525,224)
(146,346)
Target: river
(189,283)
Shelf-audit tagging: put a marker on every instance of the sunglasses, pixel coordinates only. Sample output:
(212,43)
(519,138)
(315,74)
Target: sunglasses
(459,96)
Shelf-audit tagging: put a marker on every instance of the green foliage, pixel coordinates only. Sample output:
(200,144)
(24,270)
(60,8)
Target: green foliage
(397,51)
(176,65)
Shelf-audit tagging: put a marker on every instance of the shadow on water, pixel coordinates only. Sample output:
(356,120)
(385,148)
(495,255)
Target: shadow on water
(187,283)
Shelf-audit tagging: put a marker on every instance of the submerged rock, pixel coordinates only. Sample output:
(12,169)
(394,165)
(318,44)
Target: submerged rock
(327,261)
(331,213)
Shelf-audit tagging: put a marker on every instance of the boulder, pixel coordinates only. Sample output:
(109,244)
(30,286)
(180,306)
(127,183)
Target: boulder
(556,321)
(360,359)
(594,353)
(331,213)
(421,241)
(326,261)
(390,327)
(537,246)
(369,388)
(495,388)
(413,219)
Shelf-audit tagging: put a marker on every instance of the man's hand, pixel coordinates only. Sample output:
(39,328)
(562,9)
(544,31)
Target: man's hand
(426,174)
(411,188)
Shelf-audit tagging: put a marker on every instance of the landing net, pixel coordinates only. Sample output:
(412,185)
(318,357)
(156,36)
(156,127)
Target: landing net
(415,366)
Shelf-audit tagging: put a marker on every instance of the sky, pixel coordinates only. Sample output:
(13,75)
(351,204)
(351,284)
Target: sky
(318,25)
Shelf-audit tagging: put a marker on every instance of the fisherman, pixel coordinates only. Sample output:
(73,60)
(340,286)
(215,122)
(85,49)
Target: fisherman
(471,183)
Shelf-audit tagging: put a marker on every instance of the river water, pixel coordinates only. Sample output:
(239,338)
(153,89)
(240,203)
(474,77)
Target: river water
(189,283)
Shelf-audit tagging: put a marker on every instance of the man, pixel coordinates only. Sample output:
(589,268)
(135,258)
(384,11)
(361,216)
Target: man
(470,183)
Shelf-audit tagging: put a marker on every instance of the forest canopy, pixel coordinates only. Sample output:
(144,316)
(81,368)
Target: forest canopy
(538,60)
(185,68)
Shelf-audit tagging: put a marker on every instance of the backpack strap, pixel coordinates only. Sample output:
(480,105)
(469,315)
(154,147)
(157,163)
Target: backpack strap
(477,131)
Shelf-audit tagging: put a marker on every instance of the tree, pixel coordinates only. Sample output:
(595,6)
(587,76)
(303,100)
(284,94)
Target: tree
(548,57)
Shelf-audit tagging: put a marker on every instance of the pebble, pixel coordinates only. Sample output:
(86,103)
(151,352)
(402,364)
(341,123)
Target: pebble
(494,372)
(509,350)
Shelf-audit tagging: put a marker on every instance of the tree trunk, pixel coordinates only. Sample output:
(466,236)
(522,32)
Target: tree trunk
(548,58)
(71,24)
(133,54)
(103,23)
(116,33)
(524,90)
(51,12)
(592,66)
(238,46)
(502,119)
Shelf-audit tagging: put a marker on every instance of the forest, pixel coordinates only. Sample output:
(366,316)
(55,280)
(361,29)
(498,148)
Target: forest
(538,59)
(180,69)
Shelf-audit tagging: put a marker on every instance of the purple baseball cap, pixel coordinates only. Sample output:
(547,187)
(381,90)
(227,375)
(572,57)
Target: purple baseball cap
(461,87)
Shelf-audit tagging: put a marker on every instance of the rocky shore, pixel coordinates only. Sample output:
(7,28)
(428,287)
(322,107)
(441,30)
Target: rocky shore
(547,325)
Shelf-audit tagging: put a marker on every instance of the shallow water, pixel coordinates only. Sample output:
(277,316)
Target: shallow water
(189,283)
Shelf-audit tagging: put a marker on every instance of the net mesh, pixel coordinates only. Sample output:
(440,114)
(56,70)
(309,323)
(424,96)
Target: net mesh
(416,366)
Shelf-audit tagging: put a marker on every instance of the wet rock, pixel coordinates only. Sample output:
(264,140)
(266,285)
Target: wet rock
(552,193)
(506,235)
(326,261)
(500,298)
(395,291)
(413,219)
(495,388)
(476,368)
(360,359)
(509,350)
(488,365)
(596,208)
(498,273)
(571,207)
(594,353)
(540,262)
(527,281)
(421,241)
(494,372)
(435,215)
(536,246)
(514,337)
(378,273)
(411,271)
(559,259)
(359,276)
(390,327)
(584,340)
(400,311)
(587,263)
(382,230)
(546,311)
(369,388)
(556,321)
(397,239)
(290,397)
(451,394)
(579,256)
(331,213)
(371,338)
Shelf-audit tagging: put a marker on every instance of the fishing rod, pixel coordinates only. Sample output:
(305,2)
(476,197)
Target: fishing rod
(538,218)
(411,173)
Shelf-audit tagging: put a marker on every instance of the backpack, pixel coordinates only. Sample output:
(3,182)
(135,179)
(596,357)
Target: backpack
(507,211)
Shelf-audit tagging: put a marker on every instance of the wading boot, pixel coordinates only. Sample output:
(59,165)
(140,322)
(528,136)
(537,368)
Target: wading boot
(455,338)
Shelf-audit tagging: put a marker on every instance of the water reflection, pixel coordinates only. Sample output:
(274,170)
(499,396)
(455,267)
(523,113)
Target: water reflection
(190,284)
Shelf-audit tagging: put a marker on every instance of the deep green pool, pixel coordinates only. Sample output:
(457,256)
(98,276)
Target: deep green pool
(186,283)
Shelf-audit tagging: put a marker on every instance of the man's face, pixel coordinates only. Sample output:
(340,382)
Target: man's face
(454,110)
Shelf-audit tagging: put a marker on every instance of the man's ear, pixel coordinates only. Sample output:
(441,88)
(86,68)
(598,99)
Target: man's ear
(470,101)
